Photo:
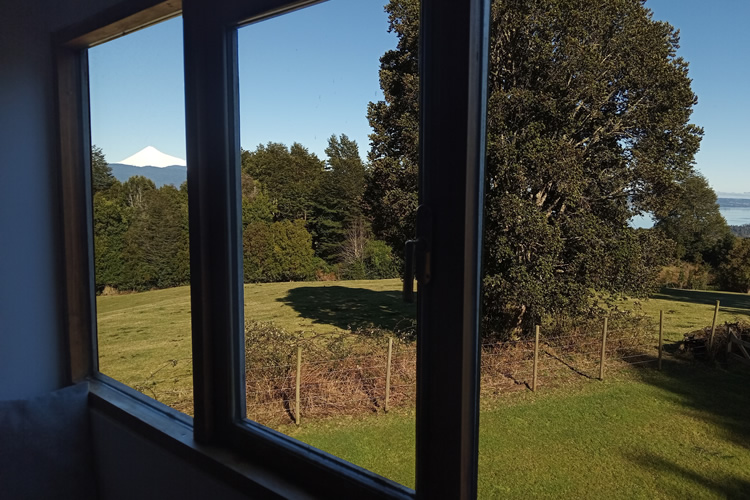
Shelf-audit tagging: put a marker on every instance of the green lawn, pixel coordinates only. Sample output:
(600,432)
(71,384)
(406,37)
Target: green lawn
(681,433)
(144,338)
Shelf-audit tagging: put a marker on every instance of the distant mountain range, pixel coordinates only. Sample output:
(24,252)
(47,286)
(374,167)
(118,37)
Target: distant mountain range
(174,174)
(734,196)
(734,202)
(152,164)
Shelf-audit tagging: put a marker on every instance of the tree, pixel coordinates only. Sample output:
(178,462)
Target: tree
(735,273)
(290,175)
(101,172)
(391,197)
(339,199)
(256,205)
(695,224)
(279,251)
(156,249)
(588,124)
(110,225)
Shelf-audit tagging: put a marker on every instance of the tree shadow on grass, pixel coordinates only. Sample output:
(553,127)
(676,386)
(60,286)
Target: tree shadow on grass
(351,308)
(730,302)
(709,394)
(726,487)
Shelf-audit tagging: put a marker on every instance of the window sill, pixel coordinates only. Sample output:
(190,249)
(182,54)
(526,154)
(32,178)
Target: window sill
(173,431)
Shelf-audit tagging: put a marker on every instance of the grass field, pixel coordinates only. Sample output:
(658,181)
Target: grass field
(681,433)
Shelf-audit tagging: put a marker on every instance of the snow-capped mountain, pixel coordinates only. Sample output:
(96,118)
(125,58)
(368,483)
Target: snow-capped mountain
(152,157)
(151,163)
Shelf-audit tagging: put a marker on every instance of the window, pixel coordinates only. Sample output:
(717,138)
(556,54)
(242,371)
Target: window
(453,71)
(141,258)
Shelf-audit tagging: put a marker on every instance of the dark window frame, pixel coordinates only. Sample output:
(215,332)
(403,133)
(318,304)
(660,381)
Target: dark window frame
(453,69)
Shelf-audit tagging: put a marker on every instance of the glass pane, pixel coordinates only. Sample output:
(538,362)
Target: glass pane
(140,213)
(330,343)
(596,196)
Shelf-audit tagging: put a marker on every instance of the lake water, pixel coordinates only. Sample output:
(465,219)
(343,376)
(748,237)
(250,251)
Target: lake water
(735,216)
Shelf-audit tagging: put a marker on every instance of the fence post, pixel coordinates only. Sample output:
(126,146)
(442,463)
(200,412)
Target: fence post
(299,378)
(388,373)
(536,358)
(604,349)
(661,333)
(713,329)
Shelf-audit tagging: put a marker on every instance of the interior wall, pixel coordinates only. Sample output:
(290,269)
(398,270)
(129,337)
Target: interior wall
(32,348)
(30,317)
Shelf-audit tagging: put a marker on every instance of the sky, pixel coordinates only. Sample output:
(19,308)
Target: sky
(310,74)
(714,39)
(303,77)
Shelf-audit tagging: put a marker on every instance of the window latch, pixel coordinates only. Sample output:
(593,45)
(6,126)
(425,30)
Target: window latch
(417,254)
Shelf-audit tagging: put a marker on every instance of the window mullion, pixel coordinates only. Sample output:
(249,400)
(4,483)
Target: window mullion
(214,208)
(453,76)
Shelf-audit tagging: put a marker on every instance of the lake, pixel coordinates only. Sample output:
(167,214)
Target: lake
(735,216)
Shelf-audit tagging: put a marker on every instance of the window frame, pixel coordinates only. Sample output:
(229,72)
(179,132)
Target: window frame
(452,135)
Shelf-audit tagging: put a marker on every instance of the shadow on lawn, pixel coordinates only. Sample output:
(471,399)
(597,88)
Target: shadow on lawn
(730,302)
(726,487)
(713,395)
(351,308)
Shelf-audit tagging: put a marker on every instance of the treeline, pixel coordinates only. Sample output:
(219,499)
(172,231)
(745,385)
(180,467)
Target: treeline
(302,219)
(742,231)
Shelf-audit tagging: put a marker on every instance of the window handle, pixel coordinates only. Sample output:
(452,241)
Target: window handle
(417,254)
(409,265)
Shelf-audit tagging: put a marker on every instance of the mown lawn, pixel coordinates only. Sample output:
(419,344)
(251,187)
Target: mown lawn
(681,433)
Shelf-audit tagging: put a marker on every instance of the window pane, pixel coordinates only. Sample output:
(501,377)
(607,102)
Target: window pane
(324,232)
(140,213)
(592,139)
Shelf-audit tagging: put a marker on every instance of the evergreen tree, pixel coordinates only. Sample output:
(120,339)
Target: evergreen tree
(101,172)
(339,199)
(290,175)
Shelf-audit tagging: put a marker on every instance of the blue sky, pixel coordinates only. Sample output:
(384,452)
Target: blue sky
(310,74)
(714,39)
(303,77)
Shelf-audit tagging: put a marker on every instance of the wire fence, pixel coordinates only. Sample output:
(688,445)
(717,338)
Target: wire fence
(291,376)
(373,382)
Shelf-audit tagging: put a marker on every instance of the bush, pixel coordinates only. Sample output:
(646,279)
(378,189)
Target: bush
(376,262)
(280,251)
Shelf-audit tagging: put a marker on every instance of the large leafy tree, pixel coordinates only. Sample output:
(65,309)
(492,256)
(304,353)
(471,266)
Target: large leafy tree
(588,124)
(735,272)
(695,224)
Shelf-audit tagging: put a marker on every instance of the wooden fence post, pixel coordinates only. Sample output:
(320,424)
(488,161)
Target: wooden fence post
(604,349)
(536,358)
(388,373)
(661,333)
(299,378)
(713,329)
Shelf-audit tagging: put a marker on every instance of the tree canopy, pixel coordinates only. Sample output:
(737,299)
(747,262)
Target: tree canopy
(695,224)
(588,124)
